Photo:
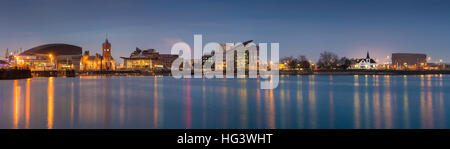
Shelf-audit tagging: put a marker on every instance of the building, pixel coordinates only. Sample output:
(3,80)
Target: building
(49,57)
(99,62)
(108,62)
(238,63)
(141,59)
(366,63)
(410,61)
(91,63)
(167,60)
(3,64)
(148,59)
(435,66)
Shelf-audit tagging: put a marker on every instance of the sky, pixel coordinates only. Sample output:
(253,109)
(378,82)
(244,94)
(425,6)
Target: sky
(348,28)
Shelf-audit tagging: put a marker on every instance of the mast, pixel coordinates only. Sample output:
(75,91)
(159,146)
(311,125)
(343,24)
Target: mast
(7,53)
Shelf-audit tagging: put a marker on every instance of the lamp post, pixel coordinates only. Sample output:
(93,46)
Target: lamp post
(15,62)
(101,63)
(50,56)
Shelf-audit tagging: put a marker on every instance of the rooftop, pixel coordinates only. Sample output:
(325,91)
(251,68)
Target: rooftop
(55,49)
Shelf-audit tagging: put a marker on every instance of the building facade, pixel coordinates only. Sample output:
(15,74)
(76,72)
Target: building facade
(3,64)
(91,63)
(167,60)
(366,63)
(99,62)
(148,59)
(244,63)
(49,57)
(141,60)
(108,62)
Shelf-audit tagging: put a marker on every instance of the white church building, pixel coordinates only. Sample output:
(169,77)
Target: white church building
(366,63)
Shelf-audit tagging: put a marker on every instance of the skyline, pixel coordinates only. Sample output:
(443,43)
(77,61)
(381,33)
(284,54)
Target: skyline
(349,28)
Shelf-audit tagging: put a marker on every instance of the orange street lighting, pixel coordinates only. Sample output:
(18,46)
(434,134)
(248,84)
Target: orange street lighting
(51,59)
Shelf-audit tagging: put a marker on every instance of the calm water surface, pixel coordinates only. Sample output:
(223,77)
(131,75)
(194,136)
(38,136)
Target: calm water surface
(165,102)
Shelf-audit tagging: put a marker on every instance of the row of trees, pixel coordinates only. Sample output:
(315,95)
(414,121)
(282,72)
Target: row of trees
(327,61)
(296,63)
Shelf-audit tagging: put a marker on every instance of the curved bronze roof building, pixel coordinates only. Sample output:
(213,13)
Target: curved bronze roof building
(55,49)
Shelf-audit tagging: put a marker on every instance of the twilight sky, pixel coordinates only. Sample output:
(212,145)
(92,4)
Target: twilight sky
(347,27)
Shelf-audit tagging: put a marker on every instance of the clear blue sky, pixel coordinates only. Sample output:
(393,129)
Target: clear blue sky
(346,27)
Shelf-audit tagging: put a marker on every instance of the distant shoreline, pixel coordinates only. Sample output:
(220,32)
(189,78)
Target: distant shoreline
(283,72)
(366,72)
(23,74)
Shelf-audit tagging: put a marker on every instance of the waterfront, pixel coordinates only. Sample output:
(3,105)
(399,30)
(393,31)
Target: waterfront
(312,101)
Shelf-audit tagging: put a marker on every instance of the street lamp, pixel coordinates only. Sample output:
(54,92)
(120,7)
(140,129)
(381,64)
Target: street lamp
(50,56)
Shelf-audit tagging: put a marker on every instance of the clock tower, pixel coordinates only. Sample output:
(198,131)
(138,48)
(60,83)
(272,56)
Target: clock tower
(106,49)
(107,61)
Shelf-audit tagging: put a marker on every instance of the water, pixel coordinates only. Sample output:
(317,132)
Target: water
(165,102)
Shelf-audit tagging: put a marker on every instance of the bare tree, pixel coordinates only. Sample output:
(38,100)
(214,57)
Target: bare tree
(327,60)
(344,63)
(289,62)
(303,62)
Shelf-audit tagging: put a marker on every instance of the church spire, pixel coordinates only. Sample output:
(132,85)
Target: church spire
(368,54)
(106,40)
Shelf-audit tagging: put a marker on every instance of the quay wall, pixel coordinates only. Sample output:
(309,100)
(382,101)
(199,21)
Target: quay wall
(11,74)
(366,72)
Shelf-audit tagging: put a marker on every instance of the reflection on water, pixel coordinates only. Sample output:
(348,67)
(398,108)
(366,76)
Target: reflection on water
(356,104)
(300,108)
(27,104)
(271,109)
(224,105)
(376,103)
(312,102)
(387,102)
(243,103)
(368,101)
(405,102)
(50,103)
(331,102)
(122,102)
(188,105)
(441,103)
(155,103)
(16,104)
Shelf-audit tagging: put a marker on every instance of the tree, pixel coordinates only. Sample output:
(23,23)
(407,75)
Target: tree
(303,62)
(344,63)
(296,63)
(327,60)
(289,62)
